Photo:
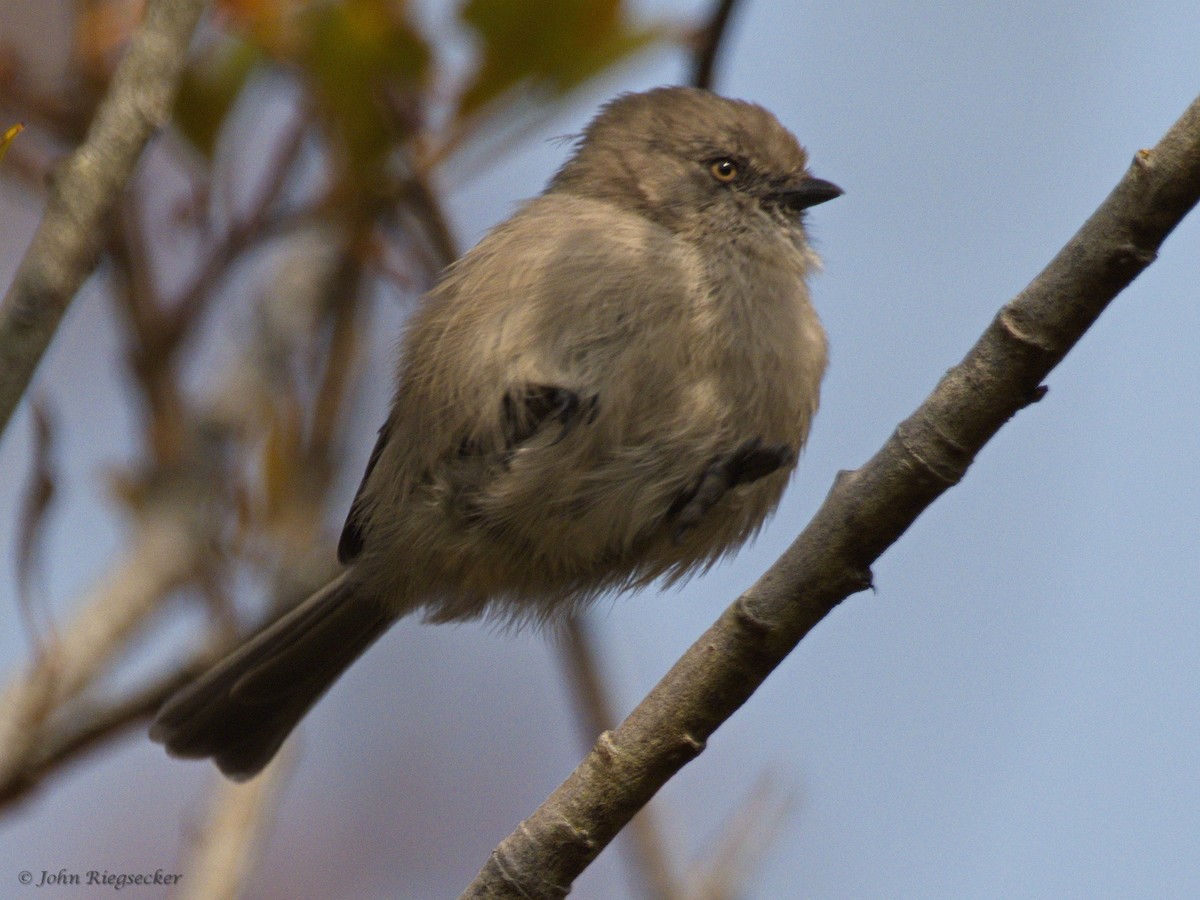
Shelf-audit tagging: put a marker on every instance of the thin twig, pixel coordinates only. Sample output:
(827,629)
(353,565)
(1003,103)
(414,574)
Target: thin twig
(151,351)
(344,293)
(866,511)
(85,727)
(704,61)
(743,842)
(35,506)
(648,853)
(165,552)
(251,227)
(225,850)
(63,251)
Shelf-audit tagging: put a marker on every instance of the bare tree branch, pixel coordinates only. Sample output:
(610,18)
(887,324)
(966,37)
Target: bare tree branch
(255,225)
(728,866)
(165,552)
(708,44)
(81,728)
(35,507)
(64,247)
(650,860)
(866,511)
(222,857)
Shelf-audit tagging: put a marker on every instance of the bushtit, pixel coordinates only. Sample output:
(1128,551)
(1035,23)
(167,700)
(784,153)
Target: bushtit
(611,387)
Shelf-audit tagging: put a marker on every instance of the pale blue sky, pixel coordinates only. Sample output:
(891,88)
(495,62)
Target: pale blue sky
(1013,714)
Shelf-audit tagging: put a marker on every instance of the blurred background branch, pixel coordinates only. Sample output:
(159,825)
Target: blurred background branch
(709,40)
(86,187)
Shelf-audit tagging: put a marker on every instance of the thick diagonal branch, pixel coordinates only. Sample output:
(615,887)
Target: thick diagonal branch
(866,511)
(63,251)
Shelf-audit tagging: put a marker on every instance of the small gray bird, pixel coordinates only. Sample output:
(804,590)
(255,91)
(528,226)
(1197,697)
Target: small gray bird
(613,386)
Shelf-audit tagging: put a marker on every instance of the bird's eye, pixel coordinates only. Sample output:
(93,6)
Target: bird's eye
(724,170)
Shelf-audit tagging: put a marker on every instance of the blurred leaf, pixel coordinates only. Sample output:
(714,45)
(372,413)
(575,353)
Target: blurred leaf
(264,20)
(101,29)
(8,137)
(271,25)
(210,87)
(556,43)
(280,456)
(360,53)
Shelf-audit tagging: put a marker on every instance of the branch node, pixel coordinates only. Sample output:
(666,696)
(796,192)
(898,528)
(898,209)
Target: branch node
(519,876)
(862,579)
(946,475)
(1127,260)
(692,745)
(510,875)
(1035,395)
(842,481)
(605,748)
(1008,320)
(750,620)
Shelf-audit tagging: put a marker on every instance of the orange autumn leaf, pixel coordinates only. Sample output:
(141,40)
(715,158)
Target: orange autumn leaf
(101,30)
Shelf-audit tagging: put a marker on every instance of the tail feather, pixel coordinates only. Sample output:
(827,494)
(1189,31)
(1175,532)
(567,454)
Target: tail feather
(241,710)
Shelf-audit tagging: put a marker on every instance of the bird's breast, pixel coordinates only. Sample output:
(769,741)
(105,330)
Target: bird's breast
(765,353)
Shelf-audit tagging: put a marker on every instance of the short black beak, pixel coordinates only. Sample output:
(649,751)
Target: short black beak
(811,192)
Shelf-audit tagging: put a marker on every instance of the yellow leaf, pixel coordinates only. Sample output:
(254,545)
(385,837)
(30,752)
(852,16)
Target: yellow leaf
(551,45)
(211,86)
(7,138)
(358,54)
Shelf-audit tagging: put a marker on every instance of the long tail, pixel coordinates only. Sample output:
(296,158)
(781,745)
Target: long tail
(240,711)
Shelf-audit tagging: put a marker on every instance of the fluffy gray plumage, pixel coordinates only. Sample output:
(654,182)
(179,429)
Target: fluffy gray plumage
(611,387)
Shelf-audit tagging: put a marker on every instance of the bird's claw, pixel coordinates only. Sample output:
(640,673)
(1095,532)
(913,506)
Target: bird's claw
(748,463)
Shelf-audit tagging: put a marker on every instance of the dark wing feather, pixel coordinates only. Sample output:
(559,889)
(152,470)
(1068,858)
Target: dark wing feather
(351,542)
